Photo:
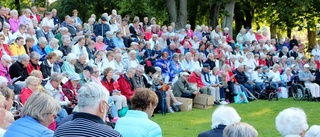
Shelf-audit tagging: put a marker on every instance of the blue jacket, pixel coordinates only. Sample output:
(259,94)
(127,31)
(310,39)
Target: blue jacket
(42,52)
(216,132)
(137,124)
(175,70)
(28,127)
(101,29)
(109,43)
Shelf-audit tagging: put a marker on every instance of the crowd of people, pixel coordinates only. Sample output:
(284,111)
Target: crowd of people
(112,64)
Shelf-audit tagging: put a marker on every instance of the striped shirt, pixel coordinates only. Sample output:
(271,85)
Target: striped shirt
(85,124)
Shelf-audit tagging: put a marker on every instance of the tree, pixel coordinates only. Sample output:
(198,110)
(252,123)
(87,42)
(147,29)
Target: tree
(214,12)
(180,14)
(228,15)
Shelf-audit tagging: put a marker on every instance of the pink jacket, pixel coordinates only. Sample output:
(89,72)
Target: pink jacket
(4,71)
(14,24)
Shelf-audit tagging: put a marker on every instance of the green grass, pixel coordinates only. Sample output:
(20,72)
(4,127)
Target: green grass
(260,114)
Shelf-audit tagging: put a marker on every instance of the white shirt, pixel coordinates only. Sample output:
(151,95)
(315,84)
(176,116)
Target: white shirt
(316,52)
(2,131)
(118,67)
(57,94)
(153,43)
(213,34)
(275,75)
(18,34)
(251,37)
(114,28)
(196,64)
(187,65)
(195,45)
(50,23)
(76,49)
(99,65)
(106,63)
(256,77)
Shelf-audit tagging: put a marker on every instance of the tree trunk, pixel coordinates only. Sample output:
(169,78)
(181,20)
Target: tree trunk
(289,32)
(17,3)
(192,10)
(238,19)
(228,15)
(311,38)
(214,14)
(249,16)
(172,9)
(273,30)
(183,13)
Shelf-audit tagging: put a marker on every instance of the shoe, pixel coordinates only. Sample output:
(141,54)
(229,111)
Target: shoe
(228,101)
(224,103)
(115,119)
(170,110)
(216,102)
(177,103)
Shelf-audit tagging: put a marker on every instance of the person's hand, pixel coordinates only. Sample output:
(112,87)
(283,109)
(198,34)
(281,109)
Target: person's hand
(196,93)
(69,104)
(164,66)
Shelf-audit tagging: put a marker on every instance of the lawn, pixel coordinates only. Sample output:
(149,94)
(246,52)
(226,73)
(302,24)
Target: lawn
(260,114)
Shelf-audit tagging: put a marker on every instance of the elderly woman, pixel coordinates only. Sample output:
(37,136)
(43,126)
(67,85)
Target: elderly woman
(53,45)
(119,67)
(47,66)
(75,17)
(136,122)
(240,130)
(39,112)
(32,84)
(132,61)
(18,69)
(58,61)
(88,27)
(25,18)
(97,61)
(126,83)
(70,89)
(292,122)
(250,61)
(275,75)
(9,95)
(68,65)
(99,44)
(14,21)
(34,62)
(7,34)
(65,47)
(113,87)
(221,117)
(4,67)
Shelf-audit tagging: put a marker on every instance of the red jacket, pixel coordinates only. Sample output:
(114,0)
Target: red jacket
(262,62)
(148,35)
(110,86)
(30,68)
(125,86)
(25,94)
(6,48)
(196,79)
(70,92)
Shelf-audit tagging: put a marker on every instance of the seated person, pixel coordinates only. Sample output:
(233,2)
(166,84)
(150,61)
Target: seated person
(85,75)
(17,47)
(34,62)
(39,48)
(275,75)
(195,78)
(18,70)
(68,65)
(70,88)
(209,81)
(221,117)
(126,83)
(48,65)
(306,77)
(81,63)
(32,84)
(9,95)
(181,88)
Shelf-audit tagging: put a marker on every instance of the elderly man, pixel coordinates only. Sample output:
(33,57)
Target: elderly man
(292,122)
(42,42)
(79,48)
(62,31)
(21,33)
(243,80)
(85,76)
(81,63)
(306,76)
(109,41)
(181,88)
(154,41)
(195,78)
(65,47)
(93,106)
(126,83)
(139,80)
(45,32)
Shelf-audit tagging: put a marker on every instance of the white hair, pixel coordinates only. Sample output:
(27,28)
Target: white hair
(63,29)
(99,38)
(240,129)
(291,121)
(226,28)
(71,56)
(140,68)
(314,131)
(42,40)
(58,53)
(132,52)
(13,12)
(90,95)
(224,115)
(6,58)
(3,80)
(91,20)
(53,40)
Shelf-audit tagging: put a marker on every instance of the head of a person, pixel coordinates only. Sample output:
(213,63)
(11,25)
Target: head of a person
(132,54)
(75,13)
(144,100)
(130,72)
(82,58)
(139,70)
(74,79)
(42,42)
(184,76)
(95,71)
(64,31)
(34,57)
(110,54)
(19,41)
(56,79)
(206,68)
(292,121)
(54,43)
(22,29)
(2,39)
(9,96)
(51,57)
(24,59)
(32,83)
(36,73)
(42,107)
(81,41)
(88,71)
(6,60)
(240,129)
(54,12)
(165,55)
(29,42)
(240,68)
(2,110)
(58,55)
(224,115)
(108,73)
(93,98)
(71,58)
(118,57)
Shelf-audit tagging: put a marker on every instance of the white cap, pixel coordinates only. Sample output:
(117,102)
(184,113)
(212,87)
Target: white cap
(306,66)
(184,74)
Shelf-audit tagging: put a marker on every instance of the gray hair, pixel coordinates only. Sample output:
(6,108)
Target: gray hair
(90,95)
(83,55)
(42,40)
(91,20)
(131,69)
(34,55)
(13,12)
(240,130)
(291,121)
(58,53)
(224,115)
(23,57)
(55,76)
(39,105)
(117,56)
(99,38)
(53,40)
(6,58)
(140,68)
(64,38)
(6,25)
(109,33)
(63,29)
(31,80)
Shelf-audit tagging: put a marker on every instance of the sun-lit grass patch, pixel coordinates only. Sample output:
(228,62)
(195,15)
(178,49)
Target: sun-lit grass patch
(260,114)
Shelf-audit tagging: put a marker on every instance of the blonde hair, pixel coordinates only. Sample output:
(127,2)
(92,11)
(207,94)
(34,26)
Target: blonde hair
(39,105)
